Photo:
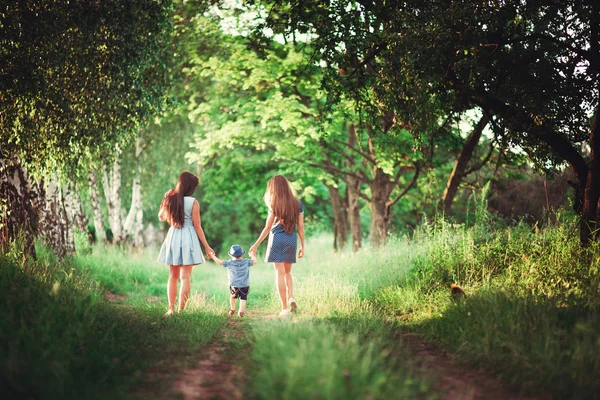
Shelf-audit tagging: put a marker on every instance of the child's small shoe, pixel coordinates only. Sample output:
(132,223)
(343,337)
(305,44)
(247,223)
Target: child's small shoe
(232,312)
(241,314)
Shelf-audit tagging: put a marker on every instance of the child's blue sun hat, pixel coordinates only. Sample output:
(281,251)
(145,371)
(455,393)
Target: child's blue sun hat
(236,251)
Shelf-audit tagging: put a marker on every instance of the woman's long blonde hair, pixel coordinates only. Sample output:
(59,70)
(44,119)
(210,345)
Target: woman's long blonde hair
(281,200)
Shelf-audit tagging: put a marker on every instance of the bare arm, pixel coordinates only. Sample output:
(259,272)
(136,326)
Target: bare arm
(301,235)
(216,259)
(253,257)
(263,234)
(199,231)
(162,212)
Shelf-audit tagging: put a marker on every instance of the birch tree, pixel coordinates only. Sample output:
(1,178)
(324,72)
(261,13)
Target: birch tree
(82,81)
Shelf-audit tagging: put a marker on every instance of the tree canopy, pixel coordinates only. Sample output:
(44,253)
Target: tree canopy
(79,77)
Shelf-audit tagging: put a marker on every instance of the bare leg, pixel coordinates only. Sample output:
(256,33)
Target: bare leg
(289,283)
(242,307)
(184,290)
(289,280)
(172,286)
(280,281)
(232,299)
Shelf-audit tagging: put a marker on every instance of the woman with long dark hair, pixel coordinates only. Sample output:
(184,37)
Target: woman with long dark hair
(181,248)
(284,224)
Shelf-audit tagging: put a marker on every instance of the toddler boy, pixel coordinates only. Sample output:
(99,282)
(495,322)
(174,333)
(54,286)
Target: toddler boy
(238,269)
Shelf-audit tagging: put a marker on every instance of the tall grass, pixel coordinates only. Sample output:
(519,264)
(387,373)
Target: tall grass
(338,346)
(531,311)
(59,338)
(531,314)
(317,361)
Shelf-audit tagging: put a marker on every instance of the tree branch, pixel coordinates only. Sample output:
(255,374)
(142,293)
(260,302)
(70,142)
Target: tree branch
(557,142)
(336,150)
(334,171)
(389,204)
(483,162)
(354,149)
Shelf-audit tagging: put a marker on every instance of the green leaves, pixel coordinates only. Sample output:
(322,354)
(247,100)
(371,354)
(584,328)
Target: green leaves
(80,77)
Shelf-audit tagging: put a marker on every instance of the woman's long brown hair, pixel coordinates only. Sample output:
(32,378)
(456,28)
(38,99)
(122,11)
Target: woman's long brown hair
(280,198)
(172,205)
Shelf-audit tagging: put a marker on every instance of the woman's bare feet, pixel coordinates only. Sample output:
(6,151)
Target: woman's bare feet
(169,313)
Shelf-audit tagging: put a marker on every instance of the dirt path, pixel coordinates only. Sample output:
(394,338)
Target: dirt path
(455,381)
(219,373)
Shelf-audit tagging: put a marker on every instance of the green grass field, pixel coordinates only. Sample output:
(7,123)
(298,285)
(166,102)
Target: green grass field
(530,316)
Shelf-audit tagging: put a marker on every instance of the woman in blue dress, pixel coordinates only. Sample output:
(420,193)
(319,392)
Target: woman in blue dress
(286,213)
(181,248)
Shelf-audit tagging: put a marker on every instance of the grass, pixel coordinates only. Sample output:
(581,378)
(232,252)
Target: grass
(531,312)
(311,360)
(60,338)
(530,316)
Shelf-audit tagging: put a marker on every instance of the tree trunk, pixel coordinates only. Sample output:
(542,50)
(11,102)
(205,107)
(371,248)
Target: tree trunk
(67,213)
(340,219)
(75,208)
(18,214)
(134,217)
(67,216)
(353,203)
(54,224)
(112,191)
(463,159)
(589,228)
(96,210)
(380,193)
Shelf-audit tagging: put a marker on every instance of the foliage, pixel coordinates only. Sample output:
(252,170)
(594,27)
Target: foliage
(80,77)
(425,61)
(531,306)
(544,263)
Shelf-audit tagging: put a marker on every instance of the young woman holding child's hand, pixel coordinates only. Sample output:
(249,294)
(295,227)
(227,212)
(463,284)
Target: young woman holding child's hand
(284,224)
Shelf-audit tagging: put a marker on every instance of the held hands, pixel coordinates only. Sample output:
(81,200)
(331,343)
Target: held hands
(301,252)
(210,252)
(252,251)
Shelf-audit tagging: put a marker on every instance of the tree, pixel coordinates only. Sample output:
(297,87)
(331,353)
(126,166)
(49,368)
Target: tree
(76,78)
(533,67)
(269,100)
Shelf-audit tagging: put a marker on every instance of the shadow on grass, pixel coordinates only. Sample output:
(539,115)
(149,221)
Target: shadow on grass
(537,344)
(60,339)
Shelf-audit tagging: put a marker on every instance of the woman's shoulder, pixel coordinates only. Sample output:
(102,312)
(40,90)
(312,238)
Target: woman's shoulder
(189,199)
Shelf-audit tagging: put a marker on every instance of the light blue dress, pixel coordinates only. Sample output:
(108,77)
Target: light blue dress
(182,246)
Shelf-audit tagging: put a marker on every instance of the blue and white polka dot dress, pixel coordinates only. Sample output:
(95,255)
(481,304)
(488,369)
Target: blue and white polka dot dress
(282,246)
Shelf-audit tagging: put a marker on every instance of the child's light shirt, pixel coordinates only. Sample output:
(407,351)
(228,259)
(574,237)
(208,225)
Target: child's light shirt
(239,271)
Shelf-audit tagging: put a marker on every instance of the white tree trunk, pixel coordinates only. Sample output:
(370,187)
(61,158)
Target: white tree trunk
(75,207)
(96,210)
(54,222)
(67,215)
(133,223)
(112,191)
